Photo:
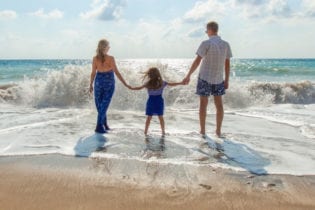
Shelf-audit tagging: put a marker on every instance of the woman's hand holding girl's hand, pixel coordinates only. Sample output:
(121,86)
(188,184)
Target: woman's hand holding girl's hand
(133,88)
(128,86)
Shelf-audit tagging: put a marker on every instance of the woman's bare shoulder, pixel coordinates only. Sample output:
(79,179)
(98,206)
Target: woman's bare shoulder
(110,57)
(95,59)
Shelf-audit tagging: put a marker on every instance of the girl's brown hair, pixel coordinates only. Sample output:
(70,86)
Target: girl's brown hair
(103,43)
(155,79)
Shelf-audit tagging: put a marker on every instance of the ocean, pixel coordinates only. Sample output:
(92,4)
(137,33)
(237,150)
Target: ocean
(269,124)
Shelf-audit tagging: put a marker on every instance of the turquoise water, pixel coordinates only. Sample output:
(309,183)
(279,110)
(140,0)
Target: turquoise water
(286,70)
(275,69)
(16,70)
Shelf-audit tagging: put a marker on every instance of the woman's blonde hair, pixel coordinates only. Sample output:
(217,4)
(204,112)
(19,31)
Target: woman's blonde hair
(155,78)
(103,43)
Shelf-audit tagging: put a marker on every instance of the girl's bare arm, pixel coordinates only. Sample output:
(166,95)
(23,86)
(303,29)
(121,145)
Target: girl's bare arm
(175,83)
(137,88)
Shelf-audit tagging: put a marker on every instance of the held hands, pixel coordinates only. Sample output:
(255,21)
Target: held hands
(134,88)
(186,80)
(129,87)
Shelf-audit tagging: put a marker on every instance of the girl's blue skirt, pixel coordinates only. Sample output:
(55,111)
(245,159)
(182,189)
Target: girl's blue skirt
(155,105)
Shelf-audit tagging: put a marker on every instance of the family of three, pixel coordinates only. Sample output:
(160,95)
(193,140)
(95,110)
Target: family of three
(214,55)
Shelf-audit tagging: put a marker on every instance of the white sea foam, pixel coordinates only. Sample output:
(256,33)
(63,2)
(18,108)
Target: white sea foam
(69,87)
(268,126)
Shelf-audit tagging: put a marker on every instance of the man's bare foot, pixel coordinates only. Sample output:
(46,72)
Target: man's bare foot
(203,135)
(218,133)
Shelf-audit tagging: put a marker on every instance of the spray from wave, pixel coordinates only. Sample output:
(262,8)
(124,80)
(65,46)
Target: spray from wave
(57,89)
(69,87)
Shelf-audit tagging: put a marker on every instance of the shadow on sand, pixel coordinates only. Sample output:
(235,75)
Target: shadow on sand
(87,145)
(240,155)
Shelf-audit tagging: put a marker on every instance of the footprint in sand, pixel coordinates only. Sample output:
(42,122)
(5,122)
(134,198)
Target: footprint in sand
(207,187)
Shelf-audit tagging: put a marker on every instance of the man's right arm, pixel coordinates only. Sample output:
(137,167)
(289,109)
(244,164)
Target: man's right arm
(201,52)
(193,68)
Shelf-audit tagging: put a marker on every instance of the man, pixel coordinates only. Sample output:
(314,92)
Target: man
(215,55)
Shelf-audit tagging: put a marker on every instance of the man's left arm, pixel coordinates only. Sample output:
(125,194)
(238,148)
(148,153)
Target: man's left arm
(227,66)
(227,73)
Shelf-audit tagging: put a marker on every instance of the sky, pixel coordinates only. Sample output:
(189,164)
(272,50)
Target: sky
(71,29)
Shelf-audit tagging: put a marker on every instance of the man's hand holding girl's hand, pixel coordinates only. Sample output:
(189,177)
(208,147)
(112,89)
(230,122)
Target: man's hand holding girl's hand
(186,80)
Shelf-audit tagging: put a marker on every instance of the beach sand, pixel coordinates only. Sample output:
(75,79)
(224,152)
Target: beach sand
(62,182)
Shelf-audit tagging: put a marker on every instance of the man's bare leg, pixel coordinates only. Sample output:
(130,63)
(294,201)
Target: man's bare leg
(203,114)
(220,113)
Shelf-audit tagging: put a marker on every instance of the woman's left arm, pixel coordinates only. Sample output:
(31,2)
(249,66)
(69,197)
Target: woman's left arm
(118,73)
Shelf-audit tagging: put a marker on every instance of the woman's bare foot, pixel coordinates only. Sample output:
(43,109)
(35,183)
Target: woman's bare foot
(107,127)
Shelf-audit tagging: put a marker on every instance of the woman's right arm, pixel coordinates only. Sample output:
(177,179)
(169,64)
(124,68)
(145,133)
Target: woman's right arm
(92,74)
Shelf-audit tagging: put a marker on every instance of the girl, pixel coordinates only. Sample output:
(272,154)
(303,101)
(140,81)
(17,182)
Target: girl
(103,69)
(155,104)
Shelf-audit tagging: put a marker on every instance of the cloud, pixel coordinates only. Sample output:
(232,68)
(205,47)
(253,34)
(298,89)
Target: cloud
(7,14)
(251,2)
(249,9)
(270,9)
(309,8)
(205,10)
(105,10)
(280,8)
(198,32)
(53,14)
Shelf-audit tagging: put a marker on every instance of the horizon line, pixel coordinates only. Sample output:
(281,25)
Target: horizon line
(262,58)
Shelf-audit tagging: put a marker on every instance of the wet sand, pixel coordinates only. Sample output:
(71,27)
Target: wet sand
(60,182)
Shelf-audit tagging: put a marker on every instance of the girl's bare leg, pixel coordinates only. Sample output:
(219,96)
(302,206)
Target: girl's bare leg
(162,124)
(147,124)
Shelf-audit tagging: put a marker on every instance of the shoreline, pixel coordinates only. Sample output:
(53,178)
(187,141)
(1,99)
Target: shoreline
(62,182)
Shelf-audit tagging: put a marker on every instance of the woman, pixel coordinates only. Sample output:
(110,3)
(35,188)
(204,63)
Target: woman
(103,69)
